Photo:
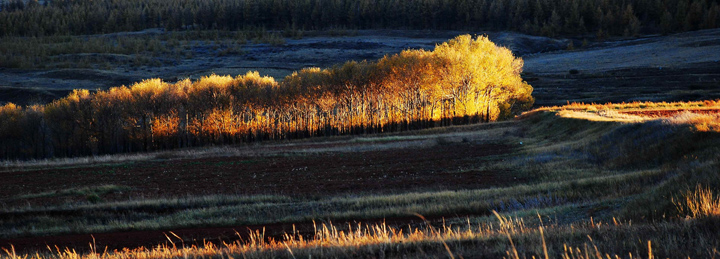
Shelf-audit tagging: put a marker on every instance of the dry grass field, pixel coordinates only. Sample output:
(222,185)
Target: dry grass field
(576,181)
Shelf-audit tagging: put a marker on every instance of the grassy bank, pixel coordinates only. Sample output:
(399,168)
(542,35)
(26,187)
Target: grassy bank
(593,181)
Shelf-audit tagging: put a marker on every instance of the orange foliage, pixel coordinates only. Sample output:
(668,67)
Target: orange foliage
(165,126)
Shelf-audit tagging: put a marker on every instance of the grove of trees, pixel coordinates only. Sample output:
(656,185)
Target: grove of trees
(546,17)
(464,80)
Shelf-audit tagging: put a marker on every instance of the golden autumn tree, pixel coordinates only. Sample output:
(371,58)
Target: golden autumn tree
(210,101)
(482,78)
(305,90)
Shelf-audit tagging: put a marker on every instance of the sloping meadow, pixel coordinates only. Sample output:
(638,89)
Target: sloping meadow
(595,187)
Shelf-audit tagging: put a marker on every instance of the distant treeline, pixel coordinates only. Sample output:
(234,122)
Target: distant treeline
(545,17)
(465,80)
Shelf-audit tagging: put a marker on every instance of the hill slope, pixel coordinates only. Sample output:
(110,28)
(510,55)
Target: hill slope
(577,166)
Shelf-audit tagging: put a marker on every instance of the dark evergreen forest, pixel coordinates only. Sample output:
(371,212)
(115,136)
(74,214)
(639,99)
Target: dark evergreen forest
(540,17)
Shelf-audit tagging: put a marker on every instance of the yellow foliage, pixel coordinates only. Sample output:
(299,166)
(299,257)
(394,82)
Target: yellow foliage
(483,76)
(10,109)
(166,126)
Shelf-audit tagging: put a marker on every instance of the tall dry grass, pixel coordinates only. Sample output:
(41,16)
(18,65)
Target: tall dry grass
(508,238)
(700,122)
(327,240)
(698,203)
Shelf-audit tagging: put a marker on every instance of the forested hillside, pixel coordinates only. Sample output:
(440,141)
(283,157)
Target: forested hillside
(464,80)
(545,17)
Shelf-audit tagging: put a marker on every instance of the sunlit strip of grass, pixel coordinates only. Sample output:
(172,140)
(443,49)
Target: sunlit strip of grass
(77,191)
(614,112)
(636,106)
(156,204)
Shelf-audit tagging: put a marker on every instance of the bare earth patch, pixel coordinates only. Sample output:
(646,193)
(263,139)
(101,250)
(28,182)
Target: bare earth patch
(387,171)
(445,165)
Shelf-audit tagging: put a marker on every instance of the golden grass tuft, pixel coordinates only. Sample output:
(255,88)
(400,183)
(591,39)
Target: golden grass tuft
(587,252)
(700,122)
(699,203)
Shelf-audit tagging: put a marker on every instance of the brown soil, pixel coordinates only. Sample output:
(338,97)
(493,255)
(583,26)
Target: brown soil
(435,167)
(387,171)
